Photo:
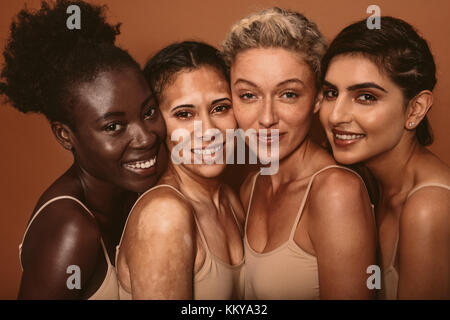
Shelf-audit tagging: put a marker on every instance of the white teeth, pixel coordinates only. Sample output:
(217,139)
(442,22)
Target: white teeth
(208,151)
(142,164)
(349,136)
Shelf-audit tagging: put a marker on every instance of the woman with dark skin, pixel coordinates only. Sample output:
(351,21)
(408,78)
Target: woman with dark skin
(102,110)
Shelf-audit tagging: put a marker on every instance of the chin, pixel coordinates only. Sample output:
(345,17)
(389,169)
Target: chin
(209,171)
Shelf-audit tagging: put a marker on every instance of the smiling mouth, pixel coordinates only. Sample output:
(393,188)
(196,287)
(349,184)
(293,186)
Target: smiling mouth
(143,164)
(343,138)
(208,150)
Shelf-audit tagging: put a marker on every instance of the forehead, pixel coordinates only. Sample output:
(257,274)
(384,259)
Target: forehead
(270,66)
(350,69)
(120,89)
(195,86)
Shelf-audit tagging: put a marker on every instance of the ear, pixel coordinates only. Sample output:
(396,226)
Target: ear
(63,134)
(318,102)
(418,108)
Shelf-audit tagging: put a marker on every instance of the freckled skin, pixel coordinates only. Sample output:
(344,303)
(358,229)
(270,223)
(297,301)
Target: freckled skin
(64,233)
(273,88)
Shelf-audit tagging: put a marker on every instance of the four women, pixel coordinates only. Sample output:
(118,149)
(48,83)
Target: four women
(308,230)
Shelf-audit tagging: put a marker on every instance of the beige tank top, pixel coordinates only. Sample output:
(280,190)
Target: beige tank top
(287,272)
(390,274)
(216,279)
(109,289)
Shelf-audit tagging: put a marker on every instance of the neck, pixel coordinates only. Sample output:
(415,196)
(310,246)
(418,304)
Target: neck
(393,168)
(294,166)
(109,203)
(194,186)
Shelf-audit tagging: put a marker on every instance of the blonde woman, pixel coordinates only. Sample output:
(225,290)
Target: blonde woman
(310,231)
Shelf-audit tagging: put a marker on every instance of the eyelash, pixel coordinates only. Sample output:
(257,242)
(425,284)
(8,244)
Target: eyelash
(181,114)
(326,93)
(111,127)
(371,99)
(153,110)
(244,96)
(225,107)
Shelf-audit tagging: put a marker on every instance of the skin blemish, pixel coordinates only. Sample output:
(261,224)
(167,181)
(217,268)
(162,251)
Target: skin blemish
(187,240)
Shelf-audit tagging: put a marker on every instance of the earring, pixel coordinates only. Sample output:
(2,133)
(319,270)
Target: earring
(411,124)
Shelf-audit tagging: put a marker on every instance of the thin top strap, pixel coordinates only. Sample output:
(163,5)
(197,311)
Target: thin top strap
(137,201)
(250,200)
(48,203)
(300,211)
(439,185)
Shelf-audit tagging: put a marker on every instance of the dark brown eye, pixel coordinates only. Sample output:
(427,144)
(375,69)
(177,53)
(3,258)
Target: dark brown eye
(113,127)
(150,113)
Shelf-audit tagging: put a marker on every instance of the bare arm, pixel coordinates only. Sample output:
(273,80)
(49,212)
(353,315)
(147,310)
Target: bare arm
(62,235)
(424,246)
(159,247)
(342,230)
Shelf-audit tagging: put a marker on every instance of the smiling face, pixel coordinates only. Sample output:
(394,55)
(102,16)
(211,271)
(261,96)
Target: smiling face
(201,94)
(118,130)
(362,110)
(273,88)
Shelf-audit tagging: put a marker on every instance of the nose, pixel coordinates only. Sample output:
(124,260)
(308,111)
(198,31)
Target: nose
(209,130)
(142,137)
(268,116)
(340,112)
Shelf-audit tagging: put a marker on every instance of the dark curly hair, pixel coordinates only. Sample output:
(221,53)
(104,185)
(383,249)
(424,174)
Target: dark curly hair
(44,59)
(161,68)
(399,51)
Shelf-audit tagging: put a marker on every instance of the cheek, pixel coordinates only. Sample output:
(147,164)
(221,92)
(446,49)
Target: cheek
(245,114)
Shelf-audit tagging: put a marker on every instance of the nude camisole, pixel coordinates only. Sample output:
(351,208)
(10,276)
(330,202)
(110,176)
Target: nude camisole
(287,272)
(109,289)
(216,279)
(390,274)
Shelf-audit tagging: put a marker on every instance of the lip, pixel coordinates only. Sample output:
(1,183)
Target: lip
(220,147)
(346,138)
(269,139)
(143,166)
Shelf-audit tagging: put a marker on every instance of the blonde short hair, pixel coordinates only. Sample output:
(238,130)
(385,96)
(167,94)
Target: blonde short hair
(277,28)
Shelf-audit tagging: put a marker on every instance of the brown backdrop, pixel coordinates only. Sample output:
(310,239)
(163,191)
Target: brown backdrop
(31,159)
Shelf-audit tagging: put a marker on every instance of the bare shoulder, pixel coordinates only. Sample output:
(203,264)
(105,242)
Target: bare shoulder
(246,189)
(338,188)
(426,209)
(63,234)
(162,213)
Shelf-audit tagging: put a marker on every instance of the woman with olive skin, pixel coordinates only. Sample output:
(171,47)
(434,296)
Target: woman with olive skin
(310,222)
(183,238)
(376,94)
(102,110)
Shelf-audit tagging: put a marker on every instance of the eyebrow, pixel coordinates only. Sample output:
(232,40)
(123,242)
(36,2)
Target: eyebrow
(121,113)
(110,114)
(365,85)
(293,80)
(191,106)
